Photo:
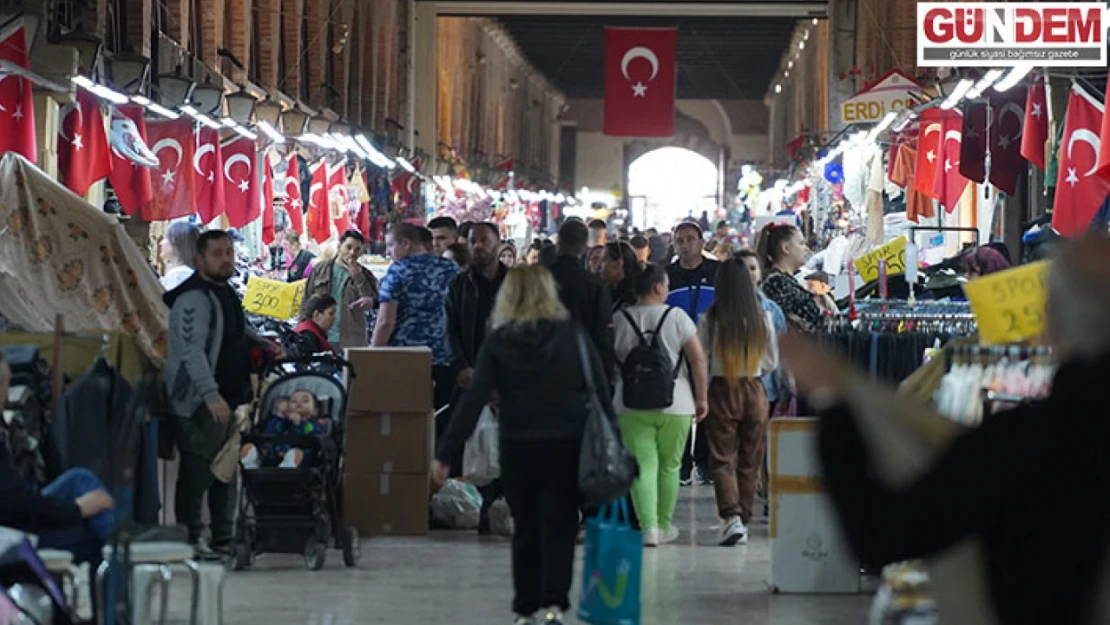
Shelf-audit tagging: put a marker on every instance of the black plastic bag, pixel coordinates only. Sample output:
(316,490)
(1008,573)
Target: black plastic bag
(606,469)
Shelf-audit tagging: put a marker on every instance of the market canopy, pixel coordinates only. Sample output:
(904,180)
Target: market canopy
(61,255)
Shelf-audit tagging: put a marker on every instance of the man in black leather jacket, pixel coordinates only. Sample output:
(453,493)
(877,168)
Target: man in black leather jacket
(585,295)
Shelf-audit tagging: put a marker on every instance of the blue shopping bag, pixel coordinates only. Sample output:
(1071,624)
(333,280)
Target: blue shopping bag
(611,568)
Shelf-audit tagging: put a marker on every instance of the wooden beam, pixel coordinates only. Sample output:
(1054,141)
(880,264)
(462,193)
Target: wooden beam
(670,9)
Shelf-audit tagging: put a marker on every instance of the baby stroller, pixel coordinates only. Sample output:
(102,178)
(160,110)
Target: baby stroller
(299,510)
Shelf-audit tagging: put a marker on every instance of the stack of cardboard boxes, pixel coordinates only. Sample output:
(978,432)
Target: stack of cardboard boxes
(390,433)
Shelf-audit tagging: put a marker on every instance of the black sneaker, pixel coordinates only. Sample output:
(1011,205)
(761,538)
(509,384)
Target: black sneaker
(704,478)
(684,477)
(554,616)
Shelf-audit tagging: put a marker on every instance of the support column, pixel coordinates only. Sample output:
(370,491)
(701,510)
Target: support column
(239,43)
(177,26)
(317,54)
(137,14)
(422,78)
(292,22)
(842,55)
(212,31)
(269,30)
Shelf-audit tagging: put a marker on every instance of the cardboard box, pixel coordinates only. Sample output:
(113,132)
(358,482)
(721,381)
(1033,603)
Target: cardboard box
(390,379)
(387,504)
(389,442)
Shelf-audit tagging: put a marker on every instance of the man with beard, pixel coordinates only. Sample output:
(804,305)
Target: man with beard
(469,305)
(207,374)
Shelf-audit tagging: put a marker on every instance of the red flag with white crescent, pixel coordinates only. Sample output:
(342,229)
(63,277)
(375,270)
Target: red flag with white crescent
(1007,130)
(1079,189)
(640,81)
(173,184)
(267,199)
(318,217)
(132,161)
(294,206)
(930,131)
(949,183)
(82,143)
(208,162)
(337,196)
(1036,123)
(240,173)
(17,109)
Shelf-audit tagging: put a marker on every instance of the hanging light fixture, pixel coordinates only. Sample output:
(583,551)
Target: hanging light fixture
(241,106)
(129,70)
(173,89)
(208,99)
(87,46)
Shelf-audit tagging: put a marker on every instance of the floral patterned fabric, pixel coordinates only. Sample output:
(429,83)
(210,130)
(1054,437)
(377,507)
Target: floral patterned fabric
(59,254)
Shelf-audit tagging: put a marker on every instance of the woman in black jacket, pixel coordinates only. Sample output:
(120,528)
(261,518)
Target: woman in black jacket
(531,361)
(619,268)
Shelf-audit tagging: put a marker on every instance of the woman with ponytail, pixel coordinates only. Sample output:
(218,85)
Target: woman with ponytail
(739,340)
(782,250)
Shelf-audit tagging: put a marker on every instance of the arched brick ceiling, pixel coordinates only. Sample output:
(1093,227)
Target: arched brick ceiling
(718,57)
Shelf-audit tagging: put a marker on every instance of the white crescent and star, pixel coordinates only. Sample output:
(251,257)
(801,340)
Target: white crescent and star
(930,129)
(238,158)
(168,176)
(1086,136)
(204,149)
(639,89)
(948,136)
(292,181)
(312,192)
(75,140)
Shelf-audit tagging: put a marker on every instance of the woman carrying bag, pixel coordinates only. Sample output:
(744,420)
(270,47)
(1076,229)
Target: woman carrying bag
(739,338)
(655,429)
(532,359)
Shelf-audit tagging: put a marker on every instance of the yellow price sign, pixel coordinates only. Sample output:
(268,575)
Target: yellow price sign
(273,298)
(1009,305)
(894,253)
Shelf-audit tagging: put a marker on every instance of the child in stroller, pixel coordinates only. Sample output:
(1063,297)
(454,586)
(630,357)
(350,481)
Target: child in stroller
(296,415)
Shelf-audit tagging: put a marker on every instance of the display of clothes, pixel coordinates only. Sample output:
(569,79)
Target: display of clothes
(980,373)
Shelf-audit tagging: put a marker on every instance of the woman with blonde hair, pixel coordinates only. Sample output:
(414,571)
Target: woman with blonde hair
(739,339)
(531,361)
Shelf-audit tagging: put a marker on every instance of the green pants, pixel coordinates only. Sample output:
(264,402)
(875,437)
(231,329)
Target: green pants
(656,440)
(199,439)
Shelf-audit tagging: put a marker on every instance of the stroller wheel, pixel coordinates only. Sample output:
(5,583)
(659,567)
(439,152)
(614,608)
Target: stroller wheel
(352,548)
(315,554)
(243,557)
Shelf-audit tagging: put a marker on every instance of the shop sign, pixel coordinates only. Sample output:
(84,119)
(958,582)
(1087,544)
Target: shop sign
(891,93)
(998,34)
(273,298)
(894,253)
(1009,305)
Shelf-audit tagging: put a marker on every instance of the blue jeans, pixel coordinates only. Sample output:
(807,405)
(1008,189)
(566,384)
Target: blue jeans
(84,539)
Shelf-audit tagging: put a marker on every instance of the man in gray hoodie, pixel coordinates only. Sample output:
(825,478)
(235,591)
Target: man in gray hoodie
(207,376)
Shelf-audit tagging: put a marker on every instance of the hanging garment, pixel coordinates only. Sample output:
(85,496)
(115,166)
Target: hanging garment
(88,414)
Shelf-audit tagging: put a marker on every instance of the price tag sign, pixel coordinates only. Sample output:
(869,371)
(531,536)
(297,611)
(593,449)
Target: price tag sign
(273,298)
(894,253)
(1009,305)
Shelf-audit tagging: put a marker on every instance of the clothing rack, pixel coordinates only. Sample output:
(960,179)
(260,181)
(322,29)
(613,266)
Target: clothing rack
(910,315)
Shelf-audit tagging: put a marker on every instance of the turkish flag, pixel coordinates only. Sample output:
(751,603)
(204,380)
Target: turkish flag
(1007,126)
(949,183)
(208,162)
(1035,124)
(267,200)
(294,206)
(1104,151)
(17,110)
(973,143)
(82,144)
(640,81)
(1079,189)
(130,174)
(319,219)
(173,182)
(928,145)
(241,192)
(338,195)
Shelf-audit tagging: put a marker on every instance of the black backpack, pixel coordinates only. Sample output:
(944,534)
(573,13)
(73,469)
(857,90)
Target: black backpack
(647,372)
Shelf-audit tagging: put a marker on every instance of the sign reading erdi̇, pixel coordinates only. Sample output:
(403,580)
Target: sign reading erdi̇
(999,34)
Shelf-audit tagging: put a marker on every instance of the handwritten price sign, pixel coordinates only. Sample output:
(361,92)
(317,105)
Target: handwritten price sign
(894,253)
(1009,305)
(273,298)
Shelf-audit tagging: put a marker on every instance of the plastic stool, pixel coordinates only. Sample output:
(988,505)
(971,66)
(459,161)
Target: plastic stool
(60,565)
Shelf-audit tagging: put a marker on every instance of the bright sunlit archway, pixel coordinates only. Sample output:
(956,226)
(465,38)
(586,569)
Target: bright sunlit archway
(669,184)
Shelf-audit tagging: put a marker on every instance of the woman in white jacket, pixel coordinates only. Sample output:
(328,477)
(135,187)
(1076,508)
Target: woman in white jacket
(739,340)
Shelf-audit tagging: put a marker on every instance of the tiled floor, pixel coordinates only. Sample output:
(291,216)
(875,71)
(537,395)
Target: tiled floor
(455,578)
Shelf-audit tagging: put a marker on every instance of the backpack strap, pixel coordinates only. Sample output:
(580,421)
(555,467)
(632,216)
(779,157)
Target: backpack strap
(635,327)
(659,326)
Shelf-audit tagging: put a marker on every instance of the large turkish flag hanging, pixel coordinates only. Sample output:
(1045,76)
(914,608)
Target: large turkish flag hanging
(1036,123)
(132,161)
(82,144)
(319,219)
(640,81)
(242,194)
(173,183)
(949,183)
(1079,189)
(294,206)
(208,162)
(1007,128)
(17,110)
(930,132)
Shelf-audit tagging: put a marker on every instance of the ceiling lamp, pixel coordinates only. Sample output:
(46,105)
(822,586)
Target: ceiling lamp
(174,89)
(87,46)
(241,106)
(957,94)
(294,121)
(128,70)
(778,88)
(208,99)
(154,107)
(1013,78)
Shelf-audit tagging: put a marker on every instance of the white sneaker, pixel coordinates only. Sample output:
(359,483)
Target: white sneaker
(733,533)
(248,457)
(652,537)
(669,536)
(292,459)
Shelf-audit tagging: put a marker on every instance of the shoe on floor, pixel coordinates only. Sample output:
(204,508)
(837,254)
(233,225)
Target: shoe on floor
(553,616)
(653,536)
(733,532)
(669,536)
(684,478)
(704,478)
(523,620)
